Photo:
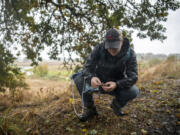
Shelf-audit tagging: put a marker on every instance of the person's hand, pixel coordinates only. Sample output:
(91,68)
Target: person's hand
(109,86)
(95,82)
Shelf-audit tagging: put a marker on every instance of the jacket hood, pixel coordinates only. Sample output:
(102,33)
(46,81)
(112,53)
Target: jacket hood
(125,48)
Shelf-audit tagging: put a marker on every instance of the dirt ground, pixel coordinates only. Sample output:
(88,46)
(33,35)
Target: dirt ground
(156,111)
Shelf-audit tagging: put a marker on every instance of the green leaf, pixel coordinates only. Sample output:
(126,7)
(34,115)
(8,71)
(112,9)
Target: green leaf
(155,91)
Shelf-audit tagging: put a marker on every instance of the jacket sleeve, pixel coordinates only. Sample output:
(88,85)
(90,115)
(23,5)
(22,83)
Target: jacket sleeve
(131,72)
(90,65)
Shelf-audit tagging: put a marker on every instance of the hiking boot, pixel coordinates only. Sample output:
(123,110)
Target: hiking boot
(88,113)
(117,111)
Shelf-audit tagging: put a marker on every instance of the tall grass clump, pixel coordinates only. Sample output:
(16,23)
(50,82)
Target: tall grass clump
(154,62)
(8,125)
(41,70)
(169,68)
(171,58)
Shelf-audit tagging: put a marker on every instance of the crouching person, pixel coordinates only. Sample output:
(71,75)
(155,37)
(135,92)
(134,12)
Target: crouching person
(112,68)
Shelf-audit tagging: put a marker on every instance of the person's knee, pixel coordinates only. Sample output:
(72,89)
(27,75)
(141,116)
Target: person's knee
(79,82)
(133,91)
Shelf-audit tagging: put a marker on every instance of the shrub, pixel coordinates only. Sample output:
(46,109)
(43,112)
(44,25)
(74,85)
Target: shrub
(11,76)
(41,70)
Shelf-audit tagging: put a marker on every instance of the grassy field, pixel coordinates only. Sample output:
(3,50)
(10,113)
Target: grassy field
(46,107)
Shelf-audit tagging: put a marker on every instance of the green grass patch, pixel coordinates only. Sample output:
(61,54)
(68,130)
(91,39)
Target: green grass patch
(51,73)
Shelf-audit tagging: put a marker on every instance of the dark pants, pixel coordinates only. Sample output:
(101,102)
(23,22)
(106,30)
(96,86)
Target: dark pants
(122,96)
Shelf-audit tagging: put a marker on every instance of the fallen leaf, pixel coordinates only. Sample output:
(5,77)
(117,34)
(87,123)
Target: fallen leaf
(36,132)
(71,101)
(143,131)
(157,83)
(47,121)
(154,91)
(126,111)
(84,130)
(178,123)
(150,122)
(168,111)
(29,129)
(69,129)
(178,110)
(93,132)
(133,133)
(178,116)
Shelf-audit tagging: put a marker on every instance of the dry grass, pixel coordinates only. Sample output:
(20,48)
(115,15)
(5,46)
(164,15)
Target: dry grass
(170,69)
(39,91)
(5,102)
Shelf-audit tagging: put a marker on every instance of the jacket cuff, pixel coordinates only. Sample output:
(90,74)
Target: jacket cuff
(118,84)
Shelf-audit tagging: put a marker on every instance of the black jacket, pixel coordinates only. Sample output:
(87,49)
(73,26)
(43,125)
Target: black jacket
(106,67)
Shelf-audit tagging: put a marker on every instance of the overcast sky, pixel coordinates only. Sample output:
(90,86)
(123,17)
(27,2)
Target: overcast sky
(170,45)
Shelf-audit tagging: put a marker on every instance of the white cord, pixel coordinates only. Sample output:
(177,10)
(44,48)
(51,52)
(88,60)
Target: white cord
(82,98)
(73,97)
